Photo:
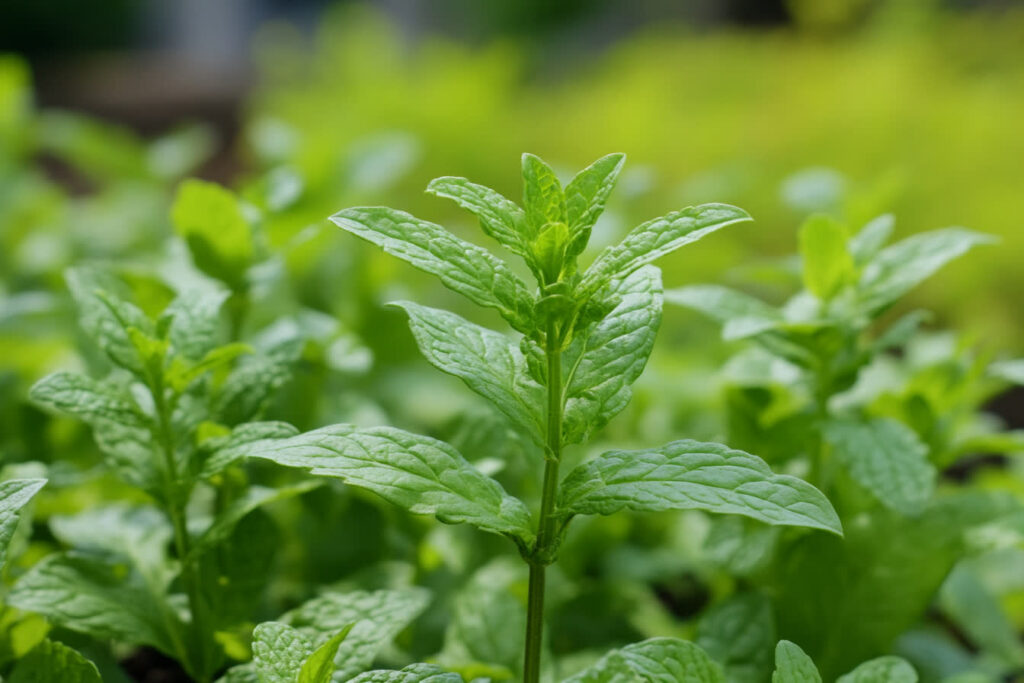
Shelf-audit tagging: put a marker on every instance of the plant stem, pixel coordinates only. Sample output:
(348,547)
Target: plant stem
(546,532)
(182,543)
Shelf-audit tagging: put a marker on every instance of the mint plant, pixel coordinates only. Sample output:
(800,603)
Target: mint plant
(175,401)
(582,338)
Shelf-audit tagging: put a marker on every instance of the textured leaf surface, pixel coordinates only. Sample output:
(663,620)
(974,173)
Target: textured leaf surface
(740,635)
(85,398)
(51,661)
(420,474)
(279,651)
(543,198)
(658,660)
(416,673)
(900,267)
(102,599)
(693,475)
(105,315)
(195,327)
(377,617)
(586,195)
(886,458)
(230,449)
(14,495)
(792,665)
(499,217)
(654,239)
(881,670)
(461,266)
(319,667)
(613,355)
(488,362)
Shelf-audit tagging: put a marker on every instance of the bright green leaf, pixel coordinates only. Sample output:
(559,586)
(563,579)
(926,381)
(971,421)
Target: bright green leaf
(872,237)
(227,450)
(666,660)
(487,361)
(86,398)
(792,665)
(740,314)
(654,239)
(827,265)
(611,355)
(688,474)
(14,495)
(885,457)
(543,198)
(499,217)
(211,220)
(881,670)
(585,198)
(463,267)
(320,665)
(279,651)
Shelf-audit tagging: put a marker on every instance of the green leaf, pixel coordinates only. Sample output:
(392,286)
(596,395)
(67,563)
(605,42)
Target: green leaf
(1009,370)
(686,475)
(462,267)
(415,673)
(140,533)
(881,670)
(53,661)
(101,598)
(900,267)
(612,355)
(106,315)
(320,665)
(195,325)
(792,665)
(872,237)
(211,220)
(279,651)
(740,314)
(654,239)
(978,614)
(85,398)
(666,660)
(488,362)
(225,451)
(420,474)
(247,391)
(740,635)
(376,618)
(543,198)
(885,457)
(827,265)
(14,495)
(585,198)
(499,217)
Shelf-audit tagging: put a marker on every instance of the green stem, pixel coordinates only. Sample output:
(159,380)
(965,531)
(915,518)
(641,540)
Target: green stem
(196,663)
(546,526)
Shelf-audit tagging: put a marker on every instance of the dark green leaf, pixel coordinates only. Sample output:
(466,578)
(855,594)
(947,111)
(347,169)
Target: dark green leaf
(666,660)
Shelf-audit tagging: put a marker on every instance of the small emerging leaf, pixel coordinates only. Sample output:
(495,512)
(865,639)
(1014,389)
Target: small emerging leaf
(585,198)
(543,198)
(827,265)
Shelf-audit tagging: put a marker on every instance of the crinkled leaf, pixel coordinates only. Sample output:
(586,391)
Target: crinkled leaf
(463,267)
(51,661)
(130,451)
(377,617)
(211,220)
(654,239)
(86,398)
(827,265)
(487,361)
(415,673)
(612,356)
(792,665)
(319,667)
(499,217)
(279,651)
(195,325)
(106,315)
(693,475)
(900,267)
(225,451)
(871,238)
(664,660)
(882,670)
(14,495)
(585,198)
(542,194)
(740,635)
(420,474)
(885,457)
(101,598)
